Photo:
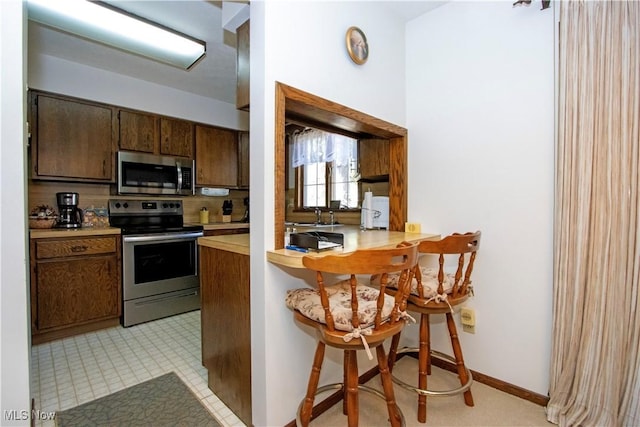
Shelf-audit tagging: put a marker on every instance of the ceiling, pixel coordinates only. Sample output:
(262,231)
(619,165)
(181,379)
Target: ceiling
(213,77)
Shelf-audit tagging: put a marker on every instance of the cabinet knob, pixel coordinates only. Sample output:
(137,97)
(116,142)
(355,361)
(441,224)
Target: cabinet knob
(78,248)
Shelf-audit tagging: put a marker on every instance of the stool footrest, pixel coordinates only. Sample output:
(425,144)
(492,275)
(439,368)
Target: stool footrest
(437,355)
(340,386)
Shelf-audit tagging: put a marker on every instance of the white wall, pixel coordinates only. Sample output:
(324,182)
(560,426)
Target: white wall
(480,114)
(58,75)
(302,44)
(14,316)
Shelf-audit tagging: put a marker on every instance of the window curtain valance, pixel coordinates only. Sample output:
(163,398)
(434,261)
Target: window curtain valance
(314,146)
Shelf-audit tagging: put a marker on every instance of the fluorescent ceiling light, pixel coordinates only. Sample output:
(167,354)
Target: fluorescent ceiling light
(114,27)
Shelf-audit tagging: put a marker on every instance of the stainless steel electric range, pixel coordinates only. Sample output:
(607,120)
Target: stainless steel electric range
(159,259)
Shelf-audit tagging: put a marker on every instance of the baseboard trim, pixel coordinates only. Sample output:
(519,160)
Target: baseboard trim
(503,386)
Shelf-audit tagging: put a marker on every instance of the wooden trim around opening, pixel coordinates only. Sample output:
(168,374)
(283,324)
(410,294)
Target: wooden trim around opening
(299,106)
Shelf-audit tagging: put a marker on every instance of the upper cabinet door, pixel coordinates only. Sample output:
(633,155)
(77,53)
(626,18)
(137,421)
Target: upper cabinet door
(176,138)
(72,140)
(374,159)
(149,133)
(243,159)
(138,131)
(216,157)
(242,67)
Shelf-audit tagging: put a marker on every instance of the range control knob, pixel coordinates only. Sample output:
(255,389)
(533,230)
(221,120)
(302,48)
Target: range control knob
(126,205)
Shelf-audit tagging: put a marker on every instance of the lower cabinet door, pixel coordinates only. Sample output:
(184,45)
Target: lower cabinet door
(77,291)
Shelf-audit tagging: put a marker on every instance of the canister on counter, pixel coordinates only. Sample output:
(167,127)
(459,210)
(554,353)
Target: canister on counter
(204,216)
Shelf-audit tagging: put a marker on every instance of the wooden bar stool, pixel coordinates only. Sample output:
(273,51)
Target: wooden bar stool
(434,291)
(352,316)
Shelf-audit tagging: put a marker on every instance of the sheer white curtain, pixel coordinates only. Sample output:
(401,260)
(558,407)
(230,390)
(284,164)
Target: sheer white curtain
(315,146)
(595,366)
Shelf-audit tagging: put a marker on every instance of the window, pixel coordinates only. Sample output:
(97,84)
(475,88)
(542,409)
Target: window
(326,169)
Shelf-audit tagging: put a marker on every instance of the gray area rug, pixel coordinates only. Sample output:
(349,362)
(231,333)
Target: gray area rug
(161,401)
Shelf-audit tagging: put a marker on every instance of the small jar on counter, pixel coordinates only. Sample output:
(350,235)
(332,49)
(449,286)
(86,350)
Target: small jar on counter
(204,216)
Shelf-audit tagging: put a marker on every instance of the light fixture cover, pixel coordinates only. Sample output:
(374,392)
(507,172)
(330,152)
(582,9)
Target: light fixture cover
(117,28)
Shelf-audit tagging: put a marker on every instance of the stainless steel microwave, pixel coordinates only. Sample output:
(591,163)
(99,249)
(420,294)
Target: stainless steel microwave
(140,173)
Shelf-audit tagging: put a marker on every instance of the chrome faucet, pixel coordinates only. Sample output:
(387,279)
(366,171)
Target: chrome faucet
(318,213)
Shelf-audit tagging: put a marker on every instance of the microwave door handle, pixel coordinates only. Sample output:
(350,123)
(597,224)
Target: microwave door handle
(179,171)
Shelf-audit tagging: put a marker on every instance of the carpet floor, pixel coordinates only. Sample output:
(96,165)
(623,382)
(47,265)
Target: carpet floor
(161,401)
(492,407)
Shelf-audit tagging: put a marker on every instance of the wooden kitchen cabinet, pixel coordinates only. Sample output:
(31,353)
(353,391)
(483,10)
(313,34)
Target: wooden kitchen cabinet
(176,137)
(71,139)
(75,285)
(374,159)
(242,67)
(243,160)
(225,285)
(149,133)
(216,157)
(138,131)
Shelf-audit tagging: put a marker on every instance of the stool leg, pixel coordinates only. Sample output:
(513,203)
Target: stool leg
(393,351)
(457,351)
(305,414)
(351,387)
(424,366)
(427,340)
(387,384)
(345,375)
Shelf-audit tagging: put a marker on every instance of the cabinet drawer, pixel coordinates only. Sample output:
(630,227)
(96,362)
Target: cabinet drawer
(75,247)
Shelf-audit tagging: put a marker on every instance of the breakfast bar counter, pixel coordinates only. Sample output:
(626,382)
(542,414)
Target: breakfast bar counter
(354,239)
(225,296)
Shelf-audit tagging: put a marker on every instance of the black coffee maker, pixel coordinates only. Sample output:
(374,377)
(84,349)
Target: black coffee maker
(69,214)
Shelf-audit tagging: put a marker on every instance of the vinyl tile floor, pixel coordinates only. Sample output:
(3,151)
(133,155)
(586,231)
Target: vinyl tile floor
(72,371)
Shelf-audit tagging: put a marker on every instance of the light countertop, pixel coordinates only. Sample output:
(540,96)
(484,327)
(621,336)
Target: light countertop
(238,243)
(44,233)
(354,239)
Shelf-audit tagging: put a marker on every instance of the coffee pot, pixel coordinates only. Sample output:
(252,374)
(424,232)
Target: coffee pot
(70,215)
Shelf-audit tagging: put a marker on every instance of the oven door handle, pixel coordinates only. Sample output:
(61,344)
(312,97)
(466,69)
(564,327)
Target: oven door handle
(162,237)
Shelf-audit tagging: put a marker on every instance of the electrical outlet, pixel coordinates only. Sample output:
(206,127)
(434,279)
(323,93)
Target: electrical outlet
(412,227)
(468,319)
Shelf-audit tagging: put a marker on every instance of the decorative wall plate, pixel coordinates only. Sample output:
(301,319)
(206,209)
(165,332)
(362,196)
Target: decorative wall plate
(357,45)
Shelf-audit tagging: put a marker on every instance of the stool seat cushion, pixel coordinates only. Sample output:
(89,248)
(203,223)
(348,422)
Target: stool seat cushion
(429,282)
(307,302)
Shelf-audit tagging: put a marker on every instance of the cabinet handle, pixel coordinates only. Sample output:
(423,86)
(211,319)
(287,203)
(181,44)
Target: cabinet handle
(79,248)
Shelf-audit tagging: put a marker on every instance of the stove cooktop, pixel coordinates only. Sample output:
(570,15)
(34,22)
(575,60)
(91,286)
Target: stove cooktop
(148,216)
(125,230)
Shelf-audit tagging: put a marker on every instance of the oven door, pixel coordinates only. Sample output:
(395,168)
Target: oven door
(159,263)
